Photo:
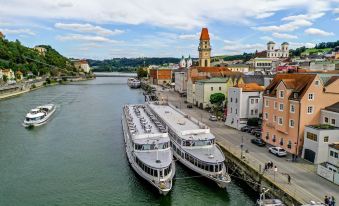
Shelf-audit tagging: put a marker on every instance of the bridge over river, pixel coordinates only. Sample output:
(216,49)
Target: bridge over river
(114,74)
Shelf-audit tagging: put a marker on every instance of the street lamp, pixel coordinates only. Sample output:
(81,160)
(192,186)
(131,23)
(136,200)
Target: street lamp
(242,146)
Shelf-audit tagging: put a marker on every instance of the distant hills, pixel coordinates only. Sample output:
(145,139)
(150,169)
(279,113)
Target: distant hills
(15,56)
(128,64)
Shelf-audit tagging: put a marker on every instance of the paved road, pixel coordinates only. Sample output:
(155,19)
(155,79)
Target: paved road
(306,184)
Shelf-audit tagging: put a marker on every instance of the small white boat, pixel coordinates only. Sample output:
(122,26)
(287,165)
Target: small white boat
(262,201)
(133,83)
(39,115)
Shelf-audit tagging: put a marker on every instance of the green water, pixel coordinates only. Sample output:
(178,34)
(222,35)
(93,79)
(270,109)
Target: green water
(78,158)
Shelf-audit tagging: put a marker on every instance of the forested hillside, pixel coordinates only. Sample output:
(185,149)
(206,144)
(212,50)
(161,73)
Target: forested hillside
(15,56)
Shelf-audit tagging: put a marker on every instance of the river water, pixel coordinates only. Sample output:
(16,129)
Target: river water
(78,158)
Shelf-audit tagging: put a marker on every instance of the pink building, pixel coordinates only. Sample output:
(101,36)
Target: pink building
(293,101)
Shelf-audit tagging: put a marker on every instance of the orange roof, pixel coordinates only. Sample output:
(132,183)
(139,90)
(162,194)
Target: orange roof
(212,69)
(204,34)
(331,80)
(196,78)
(298,82)
(251,87)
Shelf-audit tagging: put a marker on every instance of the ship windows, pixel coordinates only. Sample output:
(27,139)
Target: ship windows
(203,165)
(151,171)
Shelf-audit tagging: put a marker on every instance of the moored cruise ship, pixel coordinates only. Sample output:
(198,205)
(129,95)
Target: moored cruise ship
(192,143)
(148,147)
(133,83)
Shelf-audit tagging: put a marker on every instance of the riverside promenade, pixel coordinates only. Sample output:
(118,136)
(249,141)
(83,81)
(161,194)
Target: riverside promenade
(305,184)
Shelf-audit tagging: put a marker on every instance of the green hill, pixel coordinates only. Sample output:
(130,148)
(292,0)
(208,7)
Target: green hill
(315,51)
(15,56)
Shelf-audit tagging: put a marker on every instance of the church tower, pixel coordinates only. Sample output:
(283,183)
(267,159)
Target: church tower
(204,49)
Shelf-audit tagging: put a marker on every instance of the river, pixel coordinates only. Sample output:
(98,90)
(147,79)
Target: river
(78,158)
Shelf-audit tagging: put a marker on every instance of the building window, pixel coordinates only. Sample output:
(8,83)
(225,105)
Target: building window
(310,110)
(275,105)
(251,111)
(219,88)
(281,107)
(266,115)
(289,145)
(252,101)
(231,109)
(267,135)
(326,119)
(280,120)
(326,139)
(281,94)
(231,99)
(256,100)
(291,123)
(266,103)
(256,111)
(311,96)
(312,136)
(273,138)
(236,100)
(281,141)
(236,111)
(331,153)
(211,88)
(316,82)
(333,121)
(292,108)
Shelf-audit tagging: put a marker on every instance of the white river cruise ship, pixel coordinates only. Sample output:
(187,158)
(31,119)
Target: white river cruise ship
(192,143)
(148,147)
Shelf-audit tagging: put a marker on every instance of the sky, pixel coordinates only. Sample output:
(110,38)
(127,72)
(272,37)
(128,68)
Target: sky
(104,29)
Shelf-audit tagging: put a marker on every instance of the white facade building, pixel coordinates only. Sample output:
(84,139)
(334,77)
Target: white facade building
(180,81)
(243,102)
(283,52)
(317,138)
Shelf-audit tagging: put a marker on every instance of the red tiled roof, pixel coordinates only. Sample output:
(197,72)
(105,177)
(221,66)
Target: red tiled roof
(261,54)
(212,69)
(251,87)
(204,34)
(298,82)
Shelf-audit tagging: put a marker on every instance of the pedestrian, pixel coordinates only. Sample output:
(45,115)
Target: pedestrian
(266,166)
(326,200)
(289,179)
(332,203)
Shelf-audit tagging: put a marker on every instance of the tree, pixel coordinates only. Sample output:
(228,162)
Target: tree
(141,73)
(217,98)
(5,78)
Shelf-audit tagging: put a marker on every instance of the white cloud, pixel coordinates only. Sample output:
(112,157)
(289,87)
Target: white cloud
(284,36)
(336,10)
(311,16)
(266,38)
(294,45)
(318,32)
(17,31)
(337,19)
(88,28)
(238,47)
(79,37)
(189,36)
(192,14)
(291,26)
(264,15)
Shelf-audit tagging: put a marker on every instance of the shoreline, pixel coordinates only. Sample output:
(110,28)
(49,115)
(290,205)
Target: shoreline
(20,92)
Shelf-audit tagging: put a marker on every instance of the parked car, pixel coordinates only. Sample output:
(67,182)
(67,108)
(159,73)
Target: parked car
(255,130)
(258,134)
(213,118)
(252,128)
(246,128)
(190,106)
(258,142)
(280,152)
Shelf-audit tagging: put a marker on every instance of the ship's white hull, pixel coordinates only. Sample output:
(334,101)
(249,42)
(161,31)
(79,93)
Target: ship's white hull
(139,171)
(41,121)
(222,183)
